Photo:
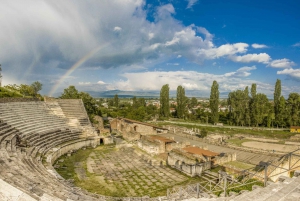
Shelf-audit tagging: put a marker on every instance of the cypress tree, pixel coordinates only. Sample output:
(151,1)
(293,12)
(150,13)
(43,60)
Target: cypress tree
(116,101)
(180,101)
(214,102)
(164,101)
(277,94)
(253,104)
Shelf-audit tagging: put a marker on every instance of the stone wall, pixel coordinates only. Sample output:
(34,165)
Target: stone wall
(131,136)
(151,146)
(7,100)
(59,151)
(191,166)
(220,160)
(126,125)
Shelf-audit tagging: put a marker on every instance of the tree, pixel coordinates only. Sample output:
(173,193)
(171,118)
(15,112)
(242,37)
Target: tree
(116,101)
(194,102)
(277,95)
(181,100)
(0,76)
(253,103)
(282,112)
(164,101)
(247,107)
(261,108)
(70,93)
(236,100)
(36,87)
(89,104)
(293,107)
(214,102)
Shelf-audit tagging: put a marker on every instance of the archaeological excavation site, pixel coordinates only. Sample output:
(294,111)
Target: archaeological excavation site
(51,151)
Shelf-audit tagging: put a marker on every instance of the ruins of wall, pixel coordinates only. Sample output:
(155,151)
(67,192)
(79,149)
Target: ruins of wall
(150,147)
(219,160)
(188,165)
(131,136)
(57,152)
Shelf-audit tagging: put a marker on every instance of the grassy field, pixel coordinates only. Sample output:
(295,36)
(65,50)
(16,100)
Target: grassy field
(279,134)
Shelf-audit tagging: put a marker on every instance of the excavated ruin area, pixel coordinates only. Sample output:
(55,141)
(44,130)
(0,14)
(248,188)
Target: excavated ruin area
(122,172)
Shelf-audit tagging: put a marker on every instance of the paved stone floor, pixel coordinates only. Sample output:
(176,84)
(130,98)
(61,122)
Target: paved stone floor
(125,169)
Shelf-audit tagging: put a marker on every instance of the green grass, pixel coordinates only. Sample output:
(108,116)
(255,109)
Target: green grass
(237,142)
(240,165)
(279,134)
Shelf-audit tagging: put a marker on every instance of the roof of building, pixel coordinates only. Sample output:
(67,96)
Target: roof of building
(160,138)
(199,151)
(143,123)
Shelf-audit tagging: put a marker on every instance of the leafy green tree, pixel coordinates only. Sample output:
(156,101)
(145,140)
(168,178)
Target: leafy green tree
(214,102)
(282,112)
(116,101)
(261,108)
(0,76)
(293,107)
(253,104)
(36,87)
(277,95)
(238,102)
(203,132)
(90,104)
(181,101)
(70,93)
(247,117)
(193,102)
(164,101)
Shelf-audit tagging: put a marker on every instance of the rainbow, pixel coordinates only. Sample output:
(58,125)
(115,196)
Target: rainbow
(74,67)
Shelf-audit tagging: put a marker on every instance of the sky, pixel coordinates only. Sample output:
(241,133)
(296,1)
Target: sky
(140,45)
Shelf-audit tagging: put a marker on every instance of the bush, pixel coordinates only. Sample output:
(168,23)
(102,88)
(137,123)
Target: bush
(203,132)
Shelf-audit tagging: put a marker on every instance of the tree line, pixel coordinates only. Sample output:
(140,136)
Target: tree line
(244,108)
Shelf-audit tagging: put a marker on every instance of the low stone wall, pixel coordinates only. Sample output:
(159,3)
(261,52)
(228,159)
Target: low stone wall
(51,157)
(8,100)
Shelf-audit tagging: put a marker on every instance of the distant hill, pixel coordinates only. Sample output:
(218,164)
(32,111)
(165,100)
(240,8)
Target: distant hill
(145,94)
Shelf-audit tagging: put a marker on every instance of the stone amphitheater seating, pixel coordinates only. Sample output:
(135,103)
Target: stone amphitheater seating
(26,173)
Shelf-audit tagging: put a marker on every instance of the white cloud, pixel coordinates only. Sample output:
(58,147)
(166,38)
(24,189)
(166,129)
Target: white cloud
(191,80)
(224,50)
(258,46)
(261,58)
(100,82)
(191,3)
(241,72)
(292,73)
(63,32)
(117,29)
(84,83)
(282,63)
(297,44)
